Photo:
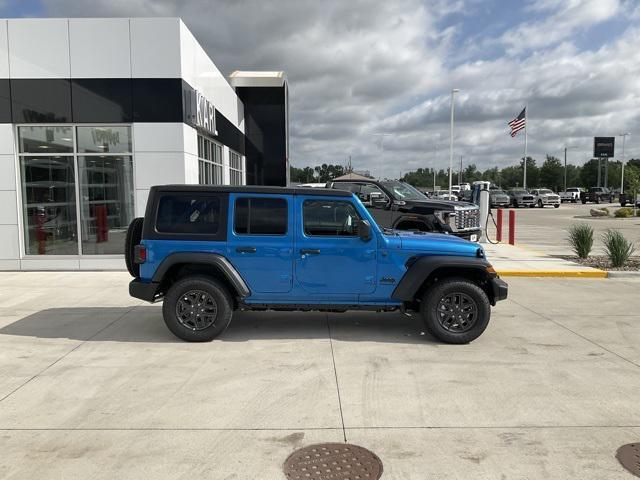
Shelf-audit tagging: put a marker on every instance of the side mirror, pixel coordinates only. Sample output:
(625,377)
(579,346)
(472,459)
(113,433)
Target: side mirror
(364,230)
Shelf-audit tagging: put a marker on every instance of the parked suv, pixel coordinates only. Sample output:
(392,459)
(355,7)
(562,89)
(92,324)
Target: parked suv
(400,206)
(544,197)
(597,195)
(499,199)
(208,251)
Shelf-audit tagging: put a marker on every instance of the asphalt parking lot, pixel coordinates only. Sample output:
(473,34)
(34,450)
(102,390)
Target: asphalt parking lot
(92,385)
(546,228)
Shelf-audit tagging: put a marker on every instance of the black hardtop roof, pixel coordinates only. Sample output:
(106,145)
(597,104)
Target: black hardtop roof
(252,189)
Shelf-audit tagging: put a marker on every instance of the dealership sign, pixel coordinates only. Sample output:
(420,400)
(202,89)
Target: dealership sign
(603,146)
(199,111)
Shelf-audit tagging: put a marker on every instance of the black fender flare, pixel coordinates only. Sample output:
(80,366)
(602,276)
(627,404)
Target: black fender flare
(429,220)
(202,258)
(422,267)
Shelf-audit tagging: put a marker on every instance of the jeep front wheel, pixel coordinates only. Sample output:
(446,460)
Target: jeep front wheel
(455,310)
(197,309)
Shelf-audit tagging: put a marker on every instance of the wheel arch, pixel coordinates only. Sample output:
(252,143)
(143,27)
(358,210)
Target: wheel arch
(426,270)
(182,264)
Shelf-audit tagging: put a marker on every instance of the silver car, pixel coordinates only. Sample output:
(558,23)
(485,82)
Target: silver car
(521,198)
(499,199)
(544,197)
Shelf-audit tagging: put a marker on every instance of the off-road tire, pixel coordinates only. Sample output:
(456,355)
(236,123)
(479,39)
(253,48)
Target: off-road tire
(218,294)
(540,204)
(440,290)
(134,235)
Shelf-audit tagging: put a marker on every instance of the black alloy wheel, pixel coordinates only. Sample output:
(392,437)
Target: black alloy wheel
(457,312)
(197,308)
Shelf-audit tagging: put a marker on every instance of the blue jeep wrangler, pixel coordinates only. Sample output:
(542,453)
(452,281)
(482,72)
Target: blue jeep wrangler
(209,250)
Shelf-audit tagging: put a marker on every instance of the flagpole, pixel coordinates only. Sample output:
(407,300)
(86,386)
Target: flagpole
(526,113)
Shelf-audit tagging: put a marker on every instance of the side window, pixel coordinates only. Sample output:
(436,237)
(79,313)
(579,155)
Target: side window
(191,214)
(260,216)
(332,218)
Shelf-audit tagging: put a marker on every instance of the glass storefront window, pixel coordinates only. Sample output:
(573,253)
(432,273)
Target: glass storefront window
(52,201)
(104,139)
(45,140)
(49,205)
(106,202)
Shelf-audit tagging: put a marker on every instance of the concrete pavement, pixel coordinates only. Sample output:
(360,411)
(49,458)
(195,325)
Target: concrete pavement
(92,385)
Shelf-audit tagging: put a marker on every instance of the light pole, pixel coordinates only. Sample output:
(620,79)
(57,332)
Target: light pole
(565,166)
(624,137)
(453,93)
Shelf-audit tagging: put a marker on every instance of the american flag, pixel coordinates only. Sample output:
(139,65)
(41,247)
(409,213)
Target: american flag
(519,122)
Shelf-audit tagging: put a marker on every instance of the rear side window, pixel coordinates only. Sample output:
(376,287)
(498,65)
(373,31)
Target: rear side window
(330,218)
(260,216)
(189,214)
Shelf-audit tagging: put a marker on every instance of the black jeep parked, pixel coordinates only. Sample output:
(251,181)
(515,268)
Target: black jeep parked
(399,205)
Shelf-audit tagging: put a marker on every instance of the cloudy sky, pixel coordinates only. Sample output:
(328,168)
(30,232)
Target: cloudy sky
(358,68)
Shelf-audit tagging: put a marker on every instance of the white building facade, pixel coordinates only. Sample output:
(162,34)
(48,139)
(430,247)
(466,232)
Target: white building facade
(93,112)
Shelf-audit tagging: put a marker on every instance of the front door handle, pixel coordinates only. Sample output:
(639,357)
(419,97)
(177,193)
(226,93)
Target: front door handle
(310,251)
(246,249)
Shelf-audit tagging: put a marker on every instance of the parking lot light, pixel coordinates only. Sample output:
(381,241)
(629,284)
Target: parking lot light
(624,136)
(453,93)
(565,166)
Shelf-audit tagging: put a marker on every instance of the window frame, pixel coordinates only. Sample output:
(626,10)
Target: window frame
(249,234)
(150,231)
(74,154)
(348,202)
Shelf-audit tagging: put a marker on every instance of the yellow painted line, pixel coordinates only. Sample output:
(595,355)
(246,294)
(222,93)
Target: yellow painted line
(595,273)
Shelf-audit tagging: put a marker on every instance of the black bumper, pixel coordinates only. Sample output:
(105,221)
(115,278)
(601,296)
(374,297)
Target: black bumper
(143,290)
(499,288)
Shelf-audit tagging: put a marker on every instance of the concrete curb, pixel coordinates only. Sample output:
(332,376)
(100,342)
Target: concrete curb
(595,273)
(623,274)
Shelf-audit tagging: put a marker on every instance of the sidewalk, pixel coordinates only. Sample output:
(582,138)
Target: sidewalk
(519,261)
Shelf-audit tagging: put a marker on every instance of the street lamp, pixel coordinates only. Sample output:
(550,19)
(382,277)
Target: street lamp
(453,92)
(565,166)
(624,137)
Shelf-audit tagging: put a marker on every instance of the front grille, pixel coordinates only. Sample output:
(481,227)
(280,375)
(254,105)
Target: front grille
(526,198)
(467,219)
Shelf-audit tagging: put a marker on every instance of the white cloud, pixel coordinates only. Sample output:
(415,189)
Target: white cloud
(361,67)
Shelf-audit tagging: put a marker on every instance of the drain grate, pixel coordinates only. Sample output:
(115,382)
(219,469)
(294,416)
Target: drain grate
(333,461)
(629,456)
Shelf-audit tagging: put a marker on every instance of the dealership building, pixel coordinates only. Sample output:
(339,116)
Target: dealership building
(93,112)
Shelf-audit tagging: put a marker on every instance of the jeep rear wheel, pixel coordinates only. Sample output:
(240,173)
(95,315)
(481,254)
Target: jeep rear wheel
(197,309)
(455,310)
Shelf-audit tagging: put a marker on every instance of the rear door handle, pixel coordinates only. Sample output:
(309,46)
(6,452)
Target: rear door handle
(310,251)
(246,249)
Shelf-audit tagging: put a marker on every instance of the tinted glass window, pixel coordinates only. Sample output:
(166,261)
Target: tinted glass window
(330,218)
(260,216)
(188,214)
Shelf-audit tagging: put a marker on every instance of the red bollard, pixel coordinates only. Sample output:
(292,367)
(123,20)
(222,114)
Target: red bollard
(499,226)
(512,227)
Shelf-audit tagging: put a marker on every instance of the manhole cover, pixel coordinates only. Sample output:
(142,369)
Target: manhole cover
(629,456)
(333,461)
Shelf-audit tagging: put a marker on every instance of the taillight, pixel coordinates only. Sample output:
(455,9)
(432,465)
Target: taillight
(140,254)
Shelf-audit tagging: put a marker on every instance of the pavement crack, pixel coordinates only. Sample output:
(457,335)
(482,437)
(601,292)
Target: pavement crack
(577,334)
(66,354)
(335,372)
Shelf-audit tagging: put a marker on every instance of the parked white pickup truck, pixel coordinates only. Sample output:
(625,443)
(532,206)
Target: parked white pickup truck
(572,195)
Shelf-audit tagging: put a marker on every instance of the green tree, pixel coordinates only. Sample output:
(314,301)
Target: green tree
(551,173)
(302,175)
(328,172)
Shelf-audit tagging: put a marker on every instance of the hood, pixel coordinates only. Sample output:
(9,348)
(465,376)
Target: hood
(439,204)
(436,243)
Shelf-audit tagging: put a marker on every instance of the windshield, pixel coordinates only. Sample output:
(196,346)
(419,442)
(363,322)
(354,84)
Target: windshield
(403,191)
(544,190)
(497,192)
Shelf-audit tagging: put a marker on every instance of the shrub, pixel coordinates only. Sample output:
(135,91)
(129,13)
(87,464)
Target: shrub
(618,248)
(623,212)
(581,239)
(605,210)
